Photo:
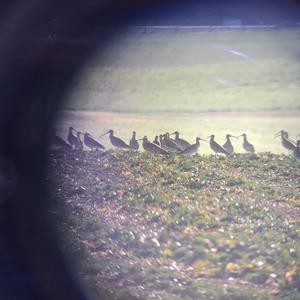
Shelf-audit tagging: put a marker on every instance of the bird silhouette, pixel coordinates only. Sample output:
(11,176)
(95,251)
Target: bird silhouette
(115,141)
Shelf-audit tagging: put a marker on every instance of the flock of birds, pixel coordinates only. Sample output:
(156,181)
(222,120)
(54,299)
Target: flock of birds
(163,144)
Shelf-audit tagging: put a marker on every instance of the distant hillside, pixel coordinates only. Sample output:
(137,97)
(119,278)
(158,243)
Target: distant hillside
(193,71)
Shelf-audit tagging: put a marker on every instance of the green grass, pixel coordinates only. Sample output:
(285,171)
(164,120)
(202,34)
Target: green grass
(180,227)
(193,71)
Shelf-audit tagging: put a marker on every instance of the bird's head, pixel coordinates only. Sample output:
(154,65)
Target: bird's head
(280,133)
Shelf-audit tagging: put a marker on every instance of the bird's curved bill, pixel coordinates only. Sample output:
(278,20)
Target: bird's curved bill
(207,138)
(235,136)
(277,135)
(103,134)
(74,129)
(203,140)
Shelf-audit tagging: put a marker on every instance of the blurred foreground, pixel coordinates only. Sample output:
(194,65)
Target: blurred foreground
(178,227)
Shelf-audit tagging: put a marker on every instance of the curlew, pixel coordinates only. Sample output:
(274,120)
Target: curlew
(285,141)
(90,142)
(192,149)
(115,141)
(246,145)
(181,143)
(133,142)
(152,148)
(169,145)
(58,142)
(80,143)
(296,152)
(162,142)
(217,148)
(156,141)
(228,145)
(74,138)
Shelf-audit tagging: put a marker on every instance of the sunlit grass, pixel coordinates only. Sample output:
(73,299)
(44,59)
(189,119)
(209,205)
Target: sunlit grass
(193,72)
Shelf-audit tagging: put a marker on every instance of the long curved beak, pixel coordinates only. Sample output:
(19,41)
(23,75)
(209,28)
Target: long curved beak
(103,134)
(234,136)
(207,138)
(239,136)
(277,135)
(172,133)
(203,140)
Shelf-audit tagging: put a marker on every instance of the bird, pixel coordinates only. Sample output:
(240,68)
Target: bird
(133,142)
(181,143)
(58,142)
(192,149)
(90,142)
(286,142)
(161,142)
(228,145)
(152,148)
(169,145)
(169,138)
(115,141)
(217,148)
(246,145)
(156,141)
(80,143)
(74,138)
(296,152)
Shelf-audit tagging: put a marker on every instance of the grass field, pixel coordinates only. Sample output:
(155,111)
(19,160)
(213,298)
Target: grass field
(138,226)
(260,127)
(193,71)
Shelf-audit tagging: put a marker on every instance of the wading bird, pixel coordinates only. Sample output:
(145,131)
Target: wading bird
(217,148)
(161,141)
(156,141)
(58,142)
(133,142)
(285,141)
(246,145)
(80,143)
(152,148)
(90,142)
(181,143)
(192,149)
(74,138)
(169,145)
(296,152)
(115,141)
(228,145)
